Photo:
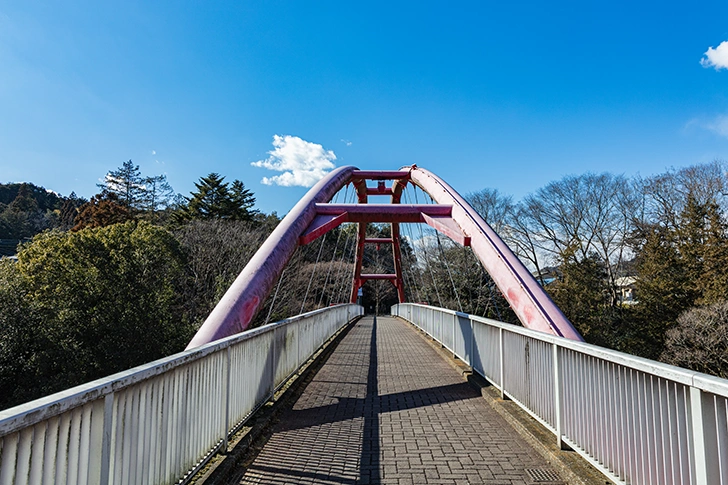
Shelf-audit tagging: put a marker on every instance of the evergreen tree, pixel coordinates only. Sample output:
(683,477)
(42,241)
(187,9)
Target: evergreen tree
(663,289)
(127,184)
(242,202)
(216,199)
(714,280)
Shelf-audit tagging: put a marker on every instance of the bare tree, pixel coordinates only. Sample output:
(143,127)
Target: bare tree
(700,340)
(577,217)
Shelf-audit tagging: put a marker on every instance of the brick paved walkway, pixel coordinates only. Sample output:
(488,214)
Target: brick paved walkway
(387,408)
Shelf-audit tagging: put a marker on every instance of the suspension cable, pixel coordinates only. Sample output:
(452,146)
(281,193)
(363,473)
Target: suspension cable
(340,276)
(405,273)
(333,255)
(447,265)
(424,248)
(313,272)
(340,272)
(449,273)
(275,295)
(423,286)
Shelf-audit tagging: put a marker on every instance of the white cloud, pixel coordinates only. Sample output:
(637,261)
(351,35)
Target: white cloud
(154,152)
(719,125)
(346,142)
(303,163)
(717,58)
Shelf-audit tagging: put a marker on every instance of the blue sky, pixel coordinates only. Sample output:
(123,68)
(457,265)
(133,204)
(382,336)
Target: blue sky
(485,94)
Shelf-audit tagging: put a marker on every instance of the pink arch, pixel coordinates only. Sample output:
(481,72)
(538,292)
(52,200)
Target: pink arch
(528,299)
(241,302)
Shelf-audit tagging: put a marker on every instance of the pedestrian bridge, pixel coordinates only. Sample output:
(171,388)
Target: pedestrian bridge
(385,407)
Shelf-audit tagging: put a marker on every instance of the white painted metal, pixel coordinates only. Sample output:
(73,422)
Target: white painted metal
(159,422)
(636,420)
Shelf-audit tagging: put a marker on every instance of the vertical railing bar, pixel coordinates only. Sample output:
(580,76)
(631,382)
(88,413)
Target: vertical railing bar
(106,438)
(227,399)
(502,371)
(557,395)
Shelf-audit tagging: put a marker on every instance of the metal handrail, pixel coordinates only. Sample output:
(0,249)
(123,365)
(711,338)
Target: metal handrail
(637,420)
(159,422)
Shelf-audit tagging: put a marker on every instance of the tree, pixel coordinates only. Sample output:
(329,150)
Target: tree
(127,185)
(663,290)
(699,341)
(242,202)
(580,216)
(102,210)
(714,281)
(581,294)
(27,209)
(18,339)
(97,301)
(69,211)
(216,199)
(216,252)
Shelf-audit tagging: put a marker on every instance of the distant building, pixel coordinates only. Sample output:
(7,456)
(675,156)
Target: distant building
(626,290)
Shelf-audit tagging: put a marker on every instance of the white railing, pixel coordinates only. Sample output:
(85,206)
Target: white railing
(160,422)
(637,420)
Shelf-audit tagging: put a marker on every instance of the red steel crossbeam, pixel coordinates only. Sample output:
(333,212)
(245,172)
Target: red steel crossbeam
(359,178)
(329,216)
(313,216)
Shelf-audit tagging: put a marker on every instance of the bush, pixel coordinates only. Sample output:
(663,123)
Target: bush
(699,341)
(94,302)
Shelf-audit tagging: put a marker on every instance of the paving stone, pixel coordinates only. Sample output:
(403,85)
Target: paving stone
(387,408)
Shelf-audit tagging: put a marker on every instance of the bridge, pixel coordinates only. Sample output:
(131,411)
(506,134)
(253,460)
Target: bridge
(384,405)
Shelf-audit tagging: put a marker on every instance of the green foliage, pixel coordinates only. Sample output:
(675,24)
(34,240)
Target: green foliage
(216,199)
(140,197)
(26,210)
(95,302)
(126,184)
(580,293)
(18,343)
(679,267)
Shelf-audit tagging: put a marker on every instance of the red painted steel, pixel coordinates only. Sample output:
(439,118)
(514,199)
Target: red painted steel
(320,226)
(359,258)
(243,299)
(527,298)
(313,216)
(378,191)
(384,212)
(448,227)
(378,276)
(380,174)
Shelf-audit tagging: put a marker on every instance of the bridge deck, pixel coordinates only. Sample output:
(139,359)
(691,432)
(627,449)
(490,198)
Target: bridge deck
(387,408)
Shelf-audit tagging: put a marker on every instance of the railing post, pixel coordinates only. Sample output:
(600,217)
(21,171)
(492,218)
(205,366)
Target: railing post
(106,438)
(227,399)
(472,342)
(454,324)
(705,445)
(558,414)
(502,363)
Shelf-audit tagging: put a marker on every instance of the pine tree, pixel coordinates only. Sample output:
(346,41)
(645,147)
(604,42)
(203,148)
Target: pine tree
(127,184)
(714,281)
(216,199)
(242,202)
